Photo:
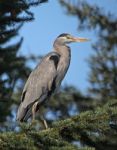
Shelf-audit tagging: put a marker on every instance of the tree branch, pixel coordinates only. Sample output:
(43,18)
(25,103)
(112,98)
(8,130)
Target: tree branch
(91,128)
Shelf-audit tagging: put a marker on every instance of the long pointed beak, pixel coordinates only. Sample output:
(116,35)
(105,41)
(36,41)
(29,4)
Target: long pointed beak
(80,39)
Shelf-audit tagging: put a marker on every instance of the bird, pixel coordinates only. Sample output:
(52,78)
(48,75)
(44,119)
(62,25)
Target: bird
(46,77)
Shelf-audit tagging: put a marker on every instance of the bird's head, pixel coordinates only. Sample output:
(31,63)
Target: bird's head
(66,38)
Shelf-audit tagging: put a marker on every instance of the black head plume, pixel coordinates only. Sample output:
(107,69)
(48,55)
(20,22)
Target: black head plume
(63,35)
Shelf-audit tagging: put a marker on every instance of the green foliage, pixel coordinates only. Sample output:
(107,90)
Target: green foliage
(91,128)
(13,13)
(103,63)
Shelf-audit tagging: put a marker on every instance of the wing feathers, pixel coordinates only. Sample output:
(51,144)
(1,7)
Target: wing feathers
(39,84)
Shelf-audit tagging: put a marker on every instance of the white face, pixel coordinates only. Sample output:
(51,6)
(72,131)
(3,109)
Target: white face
(66,39)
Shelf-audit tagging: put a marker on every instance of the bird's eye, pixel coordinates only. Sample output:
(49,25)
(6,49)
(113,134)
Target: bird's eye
(68,37)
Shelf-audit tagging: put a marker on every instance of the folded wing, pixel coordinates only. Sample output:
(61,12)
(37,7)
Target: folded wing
(39,86)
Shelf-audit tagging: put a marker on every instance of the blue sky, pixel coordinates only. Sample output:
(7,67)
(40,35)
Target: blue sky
(50,21)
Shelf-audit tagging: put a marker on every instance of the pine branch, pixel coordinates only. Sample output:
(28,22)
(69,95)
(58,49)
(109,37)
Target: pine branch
(13,67)
(90,16)
(103,63)
(91,128)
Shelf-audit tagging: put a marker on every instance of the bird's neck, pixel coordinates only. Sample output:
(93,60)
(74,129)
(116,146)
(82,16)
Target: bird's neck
(64,61)
(62,50)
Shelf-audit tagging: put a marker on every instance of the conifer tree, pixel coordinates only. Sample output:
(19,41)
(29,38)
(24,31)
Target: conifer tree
(91,130)
(13,13)
(103,63)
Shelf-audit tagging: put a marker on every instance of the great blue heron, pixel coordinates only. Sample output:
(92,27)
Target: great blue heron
(46,77)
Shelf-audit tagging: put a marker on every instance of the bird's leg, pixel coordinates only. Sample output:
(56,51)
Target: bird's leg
(33,111)
(41,118)
(44,122)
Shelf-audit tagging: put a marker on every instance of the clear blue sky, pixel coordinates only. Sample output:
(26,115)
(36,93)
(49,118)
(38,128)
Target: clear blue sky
(50,21)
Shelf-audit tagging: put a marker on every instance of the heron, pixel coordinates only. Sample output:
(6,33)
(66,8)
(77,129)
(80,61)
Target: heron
(46,77)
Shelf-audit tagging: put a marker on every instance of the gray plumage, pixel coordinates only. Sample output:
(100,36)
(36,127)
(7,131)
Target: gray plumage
(46,77)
